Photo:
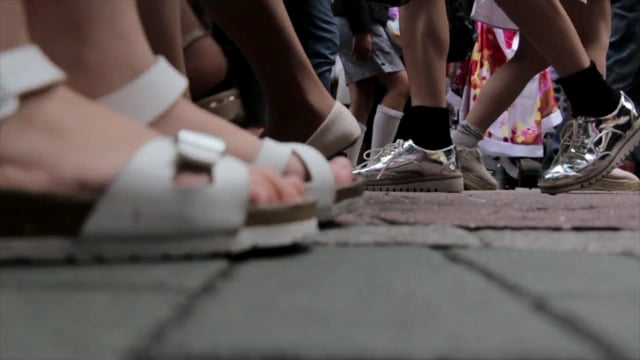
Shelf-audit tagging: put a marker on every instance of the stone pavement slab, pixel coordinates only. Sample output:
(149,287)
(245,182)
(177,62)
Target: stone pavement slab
(366,303)
(598,242)
(602,242)
(599,294)
(522,209)
(90,312)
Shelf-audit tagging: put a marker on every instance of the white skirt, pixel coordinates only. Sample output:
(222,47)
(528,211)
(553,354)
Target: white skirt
(488,12)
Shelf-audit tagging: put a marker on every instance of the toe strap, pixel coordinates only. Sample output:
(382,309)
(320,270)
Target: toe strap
(144,201)
(322,185)
(149,95)
(274,154)
(22,70)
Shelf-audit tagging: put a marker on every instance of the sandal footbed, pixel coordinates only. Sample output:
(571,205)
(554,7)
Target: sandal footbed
(34,214)
(351,191)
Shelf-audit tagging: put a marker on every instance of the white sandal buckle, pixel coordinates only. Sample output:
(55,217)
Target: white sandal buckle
(200,148)
(8,102)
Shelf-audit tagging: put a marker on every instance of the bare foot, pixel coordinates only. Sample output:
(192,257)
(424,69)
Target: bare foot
(64,144)
(246,146)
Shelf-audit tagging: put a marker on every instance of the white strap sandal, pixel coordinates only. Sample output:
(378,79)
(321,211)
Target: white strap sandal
(154,91)
(331,201)
(142,214)
(339,131)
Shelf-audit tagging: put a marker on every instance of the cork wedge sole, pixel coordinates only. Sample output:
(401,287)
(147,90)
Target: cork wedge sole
(36,227)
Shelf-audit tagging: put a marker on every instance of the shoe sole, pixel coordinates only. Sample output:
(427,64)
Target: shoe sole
(612,185)
(629,142)
(348,199)
(474,183)
(451,185)
(70,249)
(343,207)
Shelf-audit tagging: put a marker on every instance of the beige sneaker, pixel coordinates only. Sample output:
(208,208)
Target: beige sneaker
(475,174)
(617,180)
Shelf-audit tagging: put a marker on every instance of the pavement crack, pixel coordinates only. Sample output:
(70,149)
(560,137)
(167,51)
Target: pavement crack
(179,314)
(97,286)
(567,322)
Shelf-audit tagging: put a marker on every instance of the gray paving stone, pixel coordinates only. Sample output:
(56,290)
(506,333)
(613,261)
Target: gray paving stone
(501,210)
(602,242)
(602,292)
(430,235)
(598,242)
(364,303)
(89,312)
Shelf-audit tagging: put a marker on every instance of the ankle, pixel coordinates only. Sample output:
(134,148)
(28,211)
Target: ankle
(467,135)
(429,127)
(589,93)
(95,76)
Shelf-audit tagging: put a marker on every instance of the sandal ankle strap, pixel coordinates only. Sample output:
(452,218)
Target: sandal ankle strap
(149,95)
(22,70)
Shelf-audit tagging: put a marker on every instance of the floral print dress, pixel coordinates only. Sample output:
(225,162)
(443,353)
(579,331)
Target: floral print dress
(519,131)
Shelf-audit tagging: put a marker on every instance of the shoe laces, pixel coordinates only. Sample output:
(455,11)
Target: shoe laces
(373,155)
(573,136)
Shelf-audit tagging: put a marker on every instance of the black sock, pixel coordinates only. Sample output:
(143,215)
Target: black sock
(589,94)
(428,127)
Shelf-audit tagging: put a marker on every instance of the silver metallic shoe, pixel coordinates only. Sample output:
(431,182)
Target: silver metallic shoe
(403,166)
(591,148)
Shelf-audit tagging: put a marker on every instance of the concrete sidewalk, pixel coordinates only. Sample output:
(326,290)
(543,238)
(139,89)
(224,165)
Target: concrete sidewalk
(503,275)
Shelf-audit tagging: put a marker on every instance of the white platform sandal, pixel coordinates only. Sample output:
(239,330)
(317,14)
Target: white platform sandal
(149,95)
(142,214)
(332,201)
(339,131)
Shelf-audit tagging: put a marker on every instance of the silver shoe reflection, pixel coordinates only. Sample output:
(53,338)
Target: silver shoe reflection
(591,148)
(404,166)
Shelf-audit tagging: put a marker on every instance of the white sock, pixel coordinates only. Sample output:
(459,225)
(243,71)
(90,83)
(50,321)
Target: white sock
(353,153)
(385,126)
(467,135)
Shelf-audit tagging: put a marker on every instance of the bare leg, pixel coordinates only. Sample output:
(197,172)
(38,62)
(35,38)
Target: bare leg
(593,23)
(112,58)
(94,28)
(52,142)
(298,102)
(161,21)
(361,94)
(425,42)
(505,85)
(205,63)
(538,21)
(13,30)
(397,84)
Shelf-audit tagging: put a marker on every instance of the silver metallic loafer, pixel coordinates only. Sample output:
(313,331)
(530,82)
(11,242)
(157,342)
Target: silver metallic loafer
(404,166)
(591,148)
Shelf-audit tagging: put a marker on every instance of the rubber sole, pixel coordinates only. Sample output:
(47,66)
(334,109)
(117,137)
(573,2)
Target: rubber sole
(451,185)
(475,183)
(628,144)
(605,184)
(59,249)
(339,208)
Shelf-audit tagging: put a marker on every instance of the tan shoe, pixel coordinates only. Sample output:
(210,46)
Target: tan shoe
(475,174)
(617,180)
